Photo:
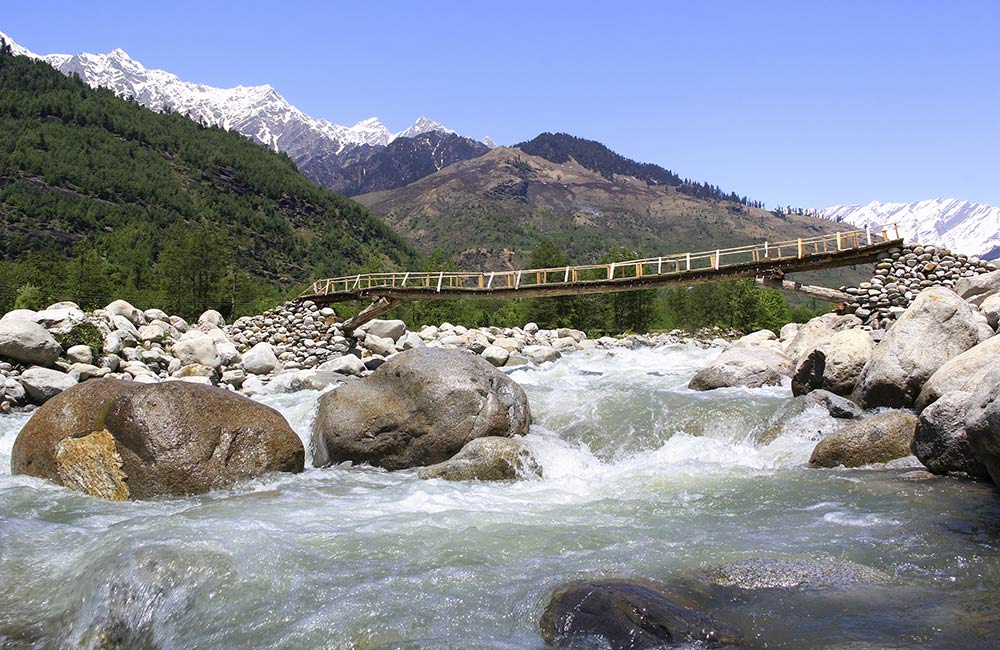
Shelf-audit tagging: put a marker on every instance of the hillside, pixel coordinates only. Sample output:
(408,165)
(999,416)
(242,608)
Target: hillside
(506,201)
(83,170)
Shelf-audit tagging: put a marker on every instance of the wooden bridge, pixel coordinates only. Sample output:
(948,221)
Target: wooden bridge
(766,261)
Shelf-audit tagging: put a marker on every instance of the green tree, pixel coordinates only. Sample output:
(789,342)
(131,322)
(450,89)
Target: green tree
(551,312)
(193,262)
(628,311)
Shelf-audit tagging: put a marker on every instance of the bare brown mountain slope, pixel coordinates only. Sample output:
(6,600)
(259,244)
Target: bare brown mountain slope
(491,211)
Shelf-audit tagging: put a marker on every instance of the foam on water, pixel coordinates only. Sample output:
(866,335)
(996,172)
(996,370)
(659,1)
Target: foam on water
(642,477)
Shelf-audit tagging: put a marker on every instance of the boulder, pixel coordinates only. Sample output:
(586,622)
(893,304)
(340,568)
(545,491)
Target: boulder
(990,307)
(42,384)
(810,334)
(940,441)
(74,411)
(749,367)
(200,350)
(936,327)
(260,359)
(211,319)
(387,329)
(60,320)
(982,423)
(531,328)
(754,338)
(409,341)
(487,459)
(28,343)
(835,364)
(80,354)
(962,373)
(496,355)
(876,439)
(175,438)
(419,408)
(378,345)
(539,354)
(977,288)
(122,308)
(629,615)
(837,406)
(345,365)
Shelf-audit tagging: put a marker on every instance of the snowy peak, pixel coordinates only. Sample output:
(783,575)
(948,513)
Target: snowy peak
(421,126)
(963,226)
(17,49)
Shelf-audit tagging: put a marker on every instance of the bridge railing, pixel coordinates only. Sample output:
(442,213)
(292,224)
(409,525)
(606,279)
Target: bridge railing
(673,263)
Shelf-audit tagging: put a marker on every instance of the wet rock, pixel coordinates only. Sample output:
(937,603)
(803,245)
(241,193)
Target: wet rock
(629,615)
(837,406)
(419,408)
(835,364)
(878,438)
(749,367)
(982,423)
(779,573)
(940,441)
(962,373)
(491,458)
(937,327)
(28,343)
(42,384)
(74,411)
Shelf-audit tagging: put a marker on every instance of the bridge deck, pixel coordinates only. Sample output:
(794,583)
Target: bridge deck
(678,269)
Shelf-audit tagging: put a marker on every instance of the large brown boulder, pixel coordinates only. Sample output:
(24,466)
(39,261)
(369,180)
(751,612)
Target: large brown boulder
(418,408)
(876,439)
(172,438)
(936,327)
(630,615)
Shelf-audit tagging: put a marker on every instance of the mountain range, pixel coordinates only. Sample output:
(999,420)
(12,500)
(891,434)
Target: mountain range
(347,159)
(962,226)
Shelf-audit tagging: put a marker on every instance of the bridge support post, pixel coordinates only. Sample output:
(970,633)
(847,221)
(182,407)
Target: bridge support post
(371,312)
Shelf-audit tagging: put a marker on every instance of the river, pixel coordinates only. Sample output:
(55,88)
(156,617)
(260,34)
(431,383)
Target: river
(642,478)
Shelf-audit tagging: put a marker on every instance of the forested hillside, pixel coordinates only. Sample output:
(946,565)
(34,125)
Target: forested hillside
(101,198)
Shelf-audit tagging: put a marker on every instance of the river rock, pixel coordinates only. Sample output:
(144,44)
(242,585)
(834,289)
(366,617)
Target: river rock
(539,354)
(260,359)
(199,349)
(977,288)
(837,406)
(211,319)
(496,355)
(793,573)
(80,354)
(387,329)
(940,441)
(28,343)
(749,367)
(379,345)
(177,438)
(42,384)
(629,615)
(345,365)
(962,373)
(810,334)
(982,423)
(419,408)
(123,308)
(74,411)
(492,458)
(878,438)
(754,338)
(835,364)
(937,327)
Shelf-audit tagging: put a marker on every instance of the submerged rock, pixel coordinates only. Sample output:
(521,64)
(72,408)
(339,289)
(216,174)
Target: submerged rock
(487,459)
(419,408)
(778,573)
(876,439)
(747,367)
(937,327)
(630,615)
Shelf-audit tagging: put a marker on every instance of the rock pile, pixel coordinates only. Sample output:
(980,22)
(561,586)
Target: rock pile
(902,274)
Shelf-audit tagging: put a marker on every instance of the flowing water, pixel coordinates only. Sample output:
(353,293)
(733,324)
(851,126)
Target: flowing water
(643,478)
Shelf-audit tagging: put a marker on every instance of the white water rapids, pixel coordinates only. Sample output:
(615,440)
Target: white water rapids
(643,478)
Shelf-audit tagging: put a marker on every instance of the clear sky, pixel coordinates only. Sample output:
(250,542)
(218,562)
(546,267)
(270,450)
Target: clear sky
(803,103)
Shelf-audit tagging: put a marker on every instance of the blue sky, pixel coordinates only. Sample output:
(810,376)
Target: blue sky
(792,103)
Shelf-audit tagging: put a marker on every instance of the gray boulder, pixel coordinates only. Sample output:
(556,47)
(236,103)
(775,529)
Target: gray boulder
(977,288)
(200,350)
(539,354)
(123,308)
(629,615)
(876,439)
(379,345)
(837,406)
(962,373)
(835,364)
(810,334)
(990,307)
(387,329)
(260,359)
(496,355)
(940,441)
(937,326)
(28,343)
(347,364)
(419,408)
(80,354)
(42,384)
(982,423)
(492,458)
(748,367)
(211,319)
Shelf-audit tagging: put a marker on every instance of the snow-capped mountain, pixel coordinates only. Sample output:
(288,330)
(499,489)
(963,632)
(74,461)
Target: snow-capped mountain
(962,226)
(320,147)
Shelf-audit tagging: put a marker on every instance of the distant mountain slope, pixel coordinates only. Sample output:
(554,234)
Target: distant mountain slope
(492,210)
(963,226)
(82,166)
(322,150)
